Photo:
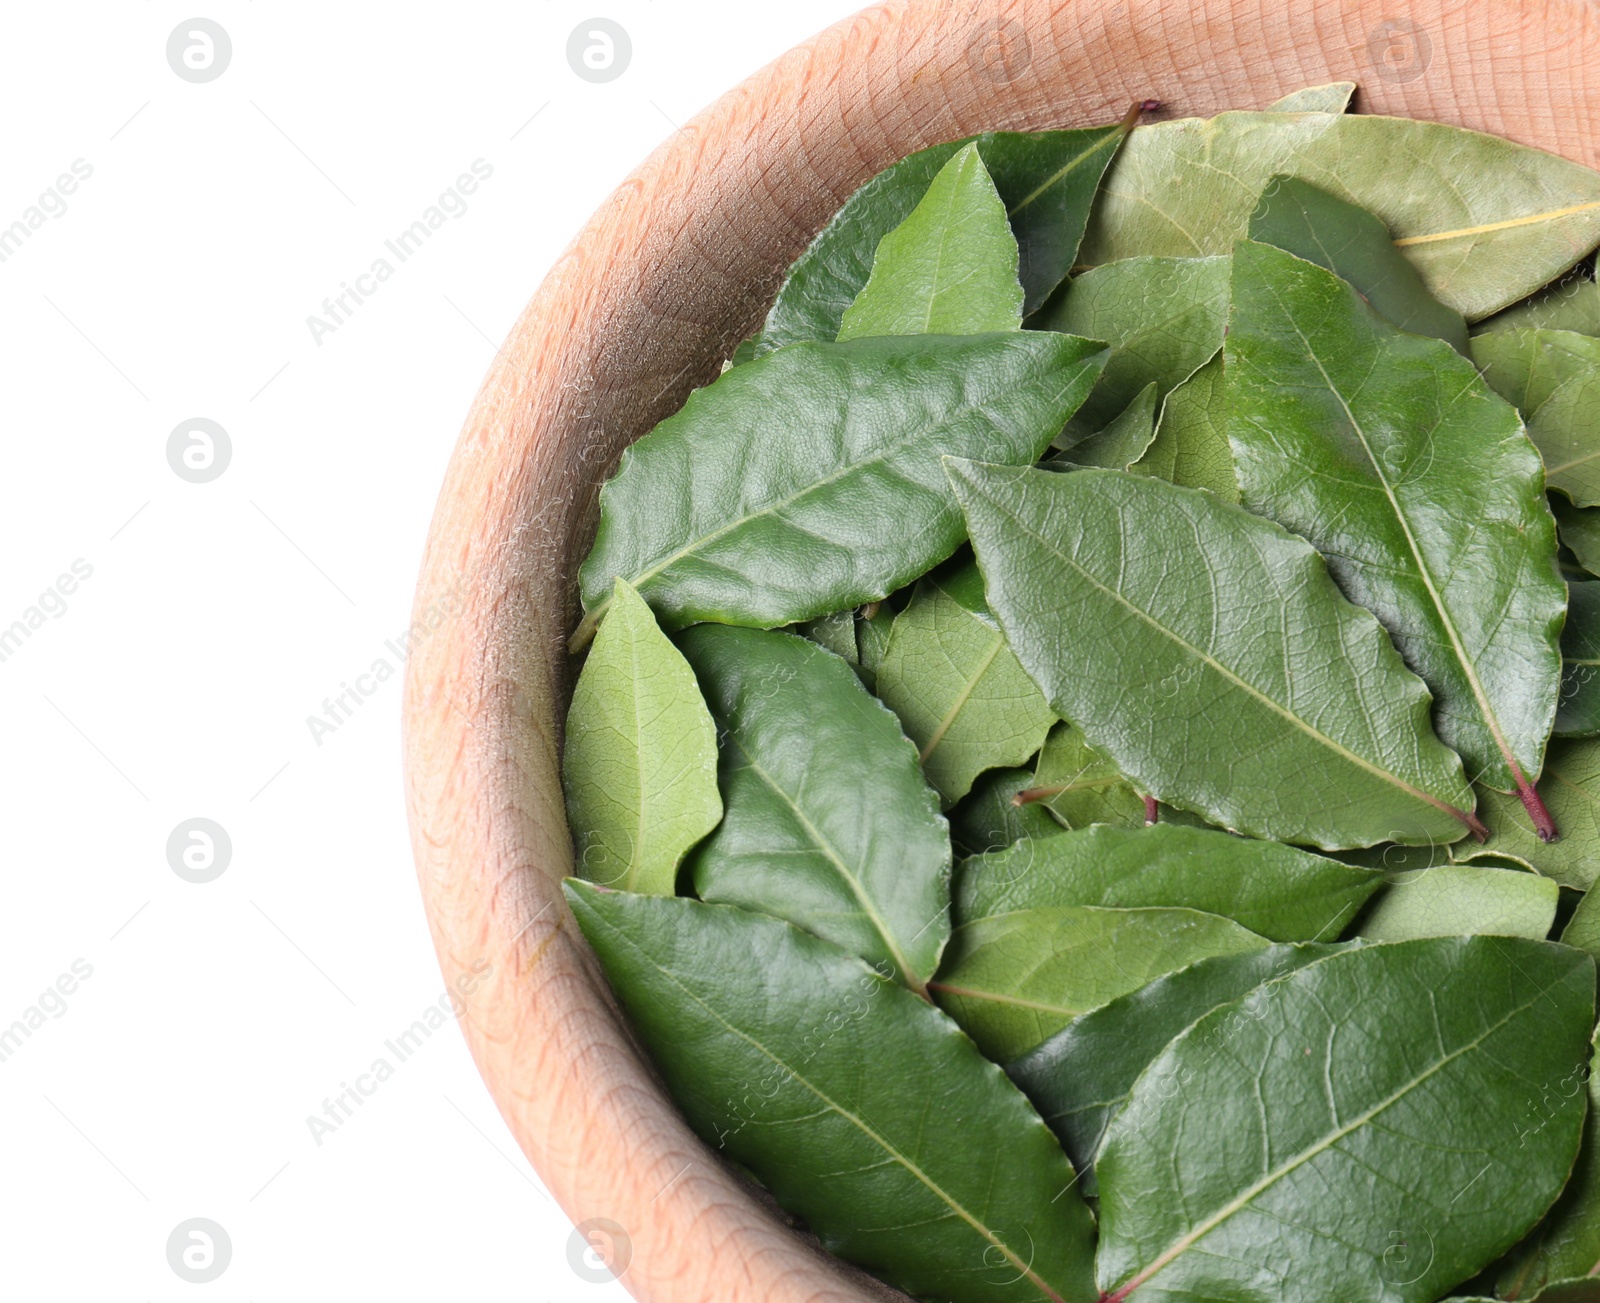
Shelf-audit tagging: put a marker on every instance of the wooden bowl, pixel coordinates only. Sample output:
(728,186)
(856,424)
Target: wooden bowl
(675,268)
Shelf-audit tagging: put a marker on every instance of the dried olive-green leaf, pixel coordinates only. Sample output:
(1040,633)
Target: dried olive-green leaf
(1334,1145)
(1418,485)
(1579,712)
(1485,220)
(809,479)
(1011,980)
(1553,378)
(828,821)
(1310,223)
(1280,892)
(1172,626)
(958,690)
(640,765)
(1332,98)
(1571,303)
(1463,900)
(1121,443)
(799,1062)
(949,269)
(1191,445)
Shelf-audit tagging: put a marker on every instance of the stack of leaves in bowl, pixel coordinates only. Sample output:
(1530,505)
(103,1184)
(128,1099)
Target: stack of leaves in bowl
(1089,734)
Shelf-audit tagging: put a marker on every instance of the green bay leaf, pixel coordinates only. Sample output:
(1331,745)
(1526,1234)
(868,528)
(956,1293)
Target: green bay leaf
(1012,980)
(799,1062)
(1418,485)
(989,819)
(809,480)
(1280,892)
(1119,444)
(1191,445)
(1299,218)
(1570,789)
(1170,626)
(1463,900)
(1332,98)
(961,696)
(1571,303)
(1578,715)
(640,763)
(1078,786)
(949,269)
(1333,1145)
(1579,528)
(1486,221)
(1553,378)
(828,822)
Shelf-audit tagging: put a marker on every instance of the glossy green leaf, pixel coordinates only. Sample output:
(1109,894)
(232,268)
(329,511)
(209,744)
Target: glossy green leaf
(1310,223)
(1553,378)
(1332,98)
(1047,179)
(1571,303)
(1387,452)
(1579,528)
(949,269)
(809,480)
(1578,715)
(1191,445)
(1463,900)
(1334,1145)
(829,823)
(799,1062)
(1570,789)
(988,819)
(1121,443)
(1277,891)
(959,692)
(1170,626)
(1082,1075)
(1486,221)
(1079,786)
(640,764)
(1011,980)
(1162,317)
(835,631)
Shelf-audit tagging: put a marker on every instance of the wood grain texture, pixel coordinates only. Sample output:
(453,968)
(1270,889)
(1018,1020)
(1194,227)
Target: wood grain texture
(676,267)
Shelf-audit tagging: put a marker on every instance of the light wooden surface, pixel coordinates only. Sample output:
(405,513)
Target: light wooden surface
(673,270)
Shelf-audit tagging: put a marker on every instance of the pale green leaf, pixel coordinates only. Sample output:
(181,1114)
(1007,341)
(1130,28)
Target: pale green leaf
(1486,221)
(1553,378)
(959,692)
(1171,627)
(1191,445)
(1011,980)
(1418,485)
(1463,900)
(1332,98)
(640,764)
(800,1063)
(828,821)
(1339,1144)
(949,269)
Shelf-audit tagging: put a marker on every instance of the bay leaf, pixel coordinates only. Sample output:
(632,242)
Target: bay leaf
(835,631)
(640,763)
(1191,445)
(1047,179)
(1332,1145)
(1280,892)
(809,480)
(872,640)
(1389,454)
(1486,221)
(1168,625)
(961,695)
(1570,789)
(1463,900)
(1162,317)
(1583,931)
(828,822)
(949,269)
(1332,98)
(1571,303)
(1578,715)
(1082,1075)
(1579,528)
(1121,443)
(1299,218)
(988,819)
(1079,786)
(801,1063)
(1553,379)
(1012,980)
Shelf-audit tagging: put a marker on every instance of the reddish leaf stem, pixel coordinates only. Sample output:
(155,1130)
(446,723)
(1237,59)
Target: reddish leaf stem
(1543,824)
(1152,811)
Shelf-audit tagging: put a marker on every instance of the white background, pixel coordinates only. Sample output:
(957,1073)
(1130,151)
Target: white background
(176,681)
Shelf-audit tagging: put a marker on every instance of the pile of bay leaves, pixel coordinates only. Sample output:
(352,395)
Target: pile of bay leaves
(1088,754)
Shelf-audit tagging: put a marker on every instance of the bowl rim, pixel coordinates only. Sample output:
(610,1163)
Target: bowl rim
(671,271)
